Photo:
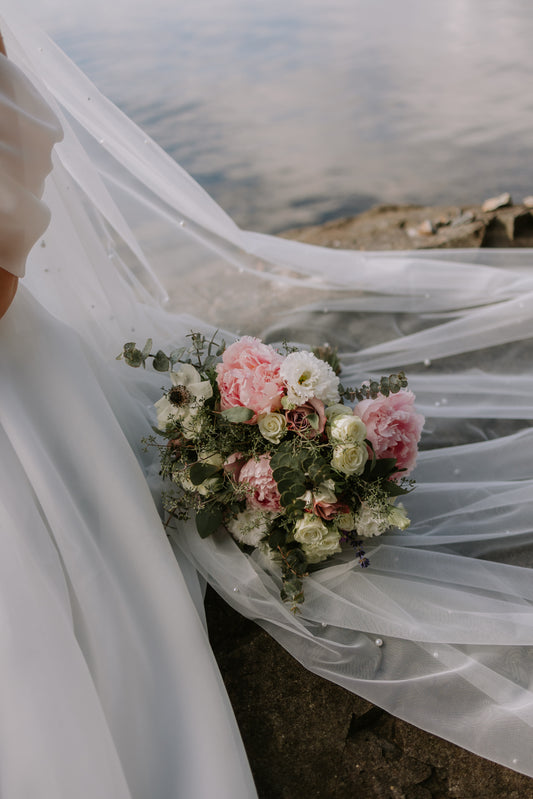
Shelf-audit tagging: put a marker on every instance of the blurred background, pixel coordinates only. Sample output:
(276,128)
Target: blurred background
(294,112)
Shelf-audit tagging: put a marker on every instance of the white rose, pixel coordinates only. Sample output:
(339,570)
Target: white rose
(332,411)
(398,517)
(249,526)
(325,493)
(307,377)
(329,545)
(350,459)
(346,521)
(347,429)
(310,529)
(272,426)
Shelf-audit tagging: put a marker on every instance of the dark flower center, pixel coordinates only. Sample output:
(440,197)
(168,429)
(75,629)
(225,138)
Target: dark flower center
(179,395)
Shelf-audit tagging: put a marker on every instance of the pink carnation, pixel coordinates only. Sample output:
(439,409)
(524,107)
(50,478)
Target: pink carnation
(249,377)
(258,474)
(393,426)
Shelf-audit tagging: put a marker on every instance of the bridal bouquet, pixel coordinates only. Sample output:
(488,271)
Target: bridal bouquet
(261,443)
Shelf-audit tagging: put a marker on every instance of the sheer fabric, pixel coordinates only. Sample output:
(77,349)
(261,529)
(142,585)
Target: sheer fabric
(108,684)
(450,601)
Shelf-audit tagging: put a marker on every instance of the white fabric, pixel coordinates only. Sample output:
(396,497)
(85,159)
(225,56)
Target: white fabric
(27,131)
(456,621)
(108,684)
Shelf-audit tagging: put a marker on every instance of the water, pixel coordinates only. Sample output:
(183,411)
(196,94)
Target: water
(293,112)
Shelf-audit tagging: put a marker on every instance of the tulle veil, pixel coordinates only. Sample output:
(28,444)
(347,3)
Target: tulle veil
(439,631)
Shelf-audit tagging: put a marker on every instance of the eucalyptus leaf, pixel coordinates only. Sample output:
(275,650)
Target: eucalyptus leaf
(147,349)
(208,520)
(238,414)
(161,362)
(201,471)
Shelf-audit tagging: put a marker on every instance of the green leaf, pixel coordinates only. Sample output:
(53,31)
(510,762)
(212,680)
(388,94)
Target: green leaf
(314,420)
(132,355)
(201,471)
(147,348)
(277,538)
(208,520)
(161,362)
(394,489)
(237,414)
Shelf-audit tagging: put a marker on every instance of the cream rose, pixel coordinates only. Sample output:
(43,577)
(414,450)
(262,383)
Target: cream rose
(272,426)
(325,493)
(328,545)
(332,411)
(398,517)
(350,459)
(310,529)
(347,429)
(346,522)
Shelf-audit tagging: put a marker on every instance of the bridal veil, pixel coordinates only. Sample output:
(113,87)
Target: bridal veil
(439,630)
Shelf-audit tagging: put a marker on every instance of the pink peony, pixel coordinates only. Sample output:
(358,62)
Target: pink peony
(258,474)
(393,426)
(249,377)
(297,418)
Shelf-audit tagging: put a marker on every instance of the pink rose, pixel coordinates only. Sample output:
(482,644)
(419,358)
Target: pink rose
(249,377)
(258,474)
(298,422)
(393,426)
(328,510)
(233,464)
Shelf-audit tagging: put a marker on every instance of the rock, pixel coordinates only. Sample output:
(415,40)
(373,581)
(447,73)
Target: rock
(463,219)
(493,203)
(307,738)
(427,228)
(528,201)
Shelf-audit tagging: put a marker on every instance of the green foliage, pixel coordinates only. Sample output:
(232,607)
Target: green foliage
(237,415)
(199,472)
(208,519)
(370,390)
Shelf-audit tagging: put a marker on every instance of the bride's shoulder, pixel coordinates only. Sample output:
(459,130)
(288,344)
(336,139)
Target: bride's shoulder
(28,131)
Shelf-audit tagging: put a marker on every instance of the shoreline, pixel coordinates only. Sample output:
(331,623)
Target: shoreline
(496,222)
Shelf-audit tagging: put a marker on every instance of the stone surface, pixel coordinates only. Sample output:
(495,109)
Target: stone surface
(403,227)
(493,203)
(307,738)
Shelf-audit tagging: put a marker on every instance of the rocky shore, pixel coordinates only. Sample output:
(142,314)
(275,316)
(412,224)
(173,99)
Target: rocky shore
(305,737)
(495,223)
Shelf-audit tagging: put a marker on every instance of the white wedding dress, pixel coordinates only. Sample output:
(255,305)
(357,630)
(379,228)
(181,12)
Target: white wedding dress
(109,688)
(439,630)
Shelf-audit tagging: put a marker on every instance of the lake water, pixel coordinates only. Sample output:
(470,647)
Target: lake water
(291,112)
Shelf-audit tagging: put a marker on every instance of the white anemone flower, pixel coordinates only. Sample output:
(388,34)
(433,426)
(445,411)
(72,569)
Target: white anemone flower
(195,392)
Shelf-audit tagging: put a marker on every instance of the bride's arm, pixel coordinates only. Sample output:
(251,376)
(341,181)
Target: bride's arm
(28,131)
(8,282)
